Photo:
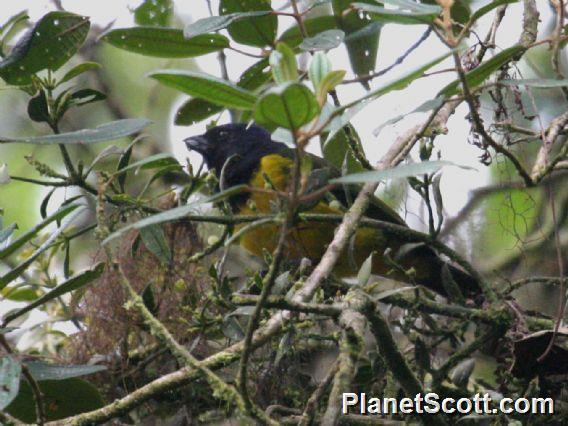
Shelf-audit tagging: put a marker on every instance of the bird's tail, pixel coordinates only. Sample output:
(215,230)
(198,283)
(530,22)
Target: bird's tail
(431,274)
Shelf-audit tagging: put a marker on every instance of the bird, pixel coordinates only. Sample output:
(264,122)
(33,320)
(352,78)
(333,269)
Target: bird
(246,154)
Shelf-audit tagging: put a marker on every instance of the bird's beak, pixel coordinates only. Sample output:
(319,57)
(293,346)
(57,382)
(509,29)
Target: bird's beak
(197,143)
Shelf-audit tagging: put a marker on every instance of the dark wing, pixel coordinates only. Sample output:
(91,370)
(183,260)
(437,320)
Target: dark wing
(323,171)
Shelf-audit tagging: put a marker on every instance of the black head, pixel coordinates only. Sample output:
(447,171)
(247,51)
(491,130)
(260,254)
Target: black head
(245,144)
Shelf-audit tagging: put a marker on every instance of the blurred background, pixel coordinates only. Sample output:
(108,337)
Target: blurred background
(501,233)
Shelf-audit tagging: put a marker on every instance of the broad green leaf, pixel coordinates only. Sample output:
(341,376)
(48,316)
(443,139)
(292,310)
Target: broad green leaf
(15,272)
(74,283)
(10,370)
(43,371)
(196,110)
(478,75)
(482,11)
(17,244)
(540,83)
(255,76)
(65,398)
(216,23)
(290,106)
(103,133)
(205,86)
(402,171)
(283,64)
(49,45)
(257,31)
(362,37)
(155,241)
(164,42)
(176,213)
(38,109)
(325,40)
(154,13)
(78,70)
(320,66)
(293,36)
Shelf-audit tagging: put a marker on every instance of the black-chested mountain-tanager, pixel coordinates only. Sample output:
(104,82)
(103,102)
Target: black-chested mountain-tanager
(248,155)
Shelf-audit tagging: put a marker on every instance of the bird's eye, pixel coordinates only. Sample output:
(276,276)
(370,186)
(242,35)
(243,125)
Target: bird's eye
(223,134)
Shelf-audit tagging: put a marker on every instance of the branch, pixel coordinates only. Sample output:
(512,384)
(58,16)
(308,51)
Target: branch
(351,346)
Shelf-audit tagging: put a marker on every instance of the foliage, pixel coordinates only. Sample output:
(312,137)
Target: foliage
(161,313)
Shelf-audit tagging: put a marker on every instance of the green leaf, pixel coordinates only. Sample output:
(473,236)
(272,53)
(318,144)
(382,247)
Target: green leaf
(17,244)
(49,45)
(283,64)
(320,66)
(325,40)
(196,109)
(216,23)
(164,42)
(155,241)
(37,108)
(328,83)
(290,106)
(43,371)
(15,272)
(540,83)
(362,37)
(10,28)
(10,371)
(19,294)
(205,86)
(176,213)
(103,133)
(87,96)
(152,162)
(482,11)
(72,284)
(293,36)
(478,75)
(257,31)
(78,70)
(365,271)
(65,398)
(402,171)
(154,13)
(407,13)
